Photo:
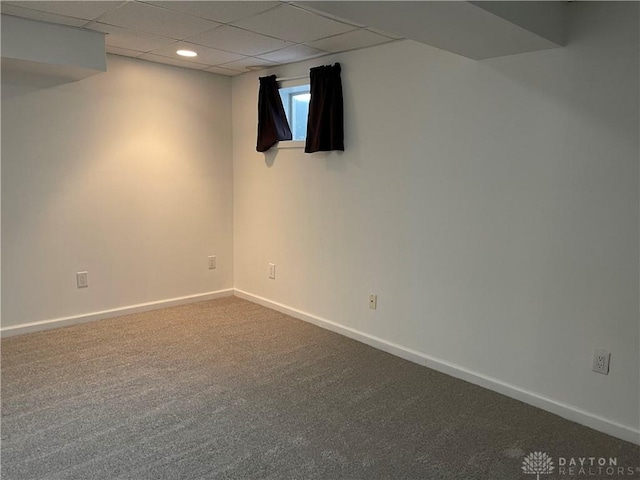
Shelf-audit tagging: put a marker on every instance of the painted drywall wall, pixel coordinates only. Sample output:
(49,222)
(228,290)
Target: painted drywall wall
(492,206)
(127,175)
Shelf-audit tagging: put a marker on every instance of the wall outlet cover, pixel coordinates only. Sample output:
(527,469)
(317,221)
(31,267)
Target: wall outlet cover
(601,361)
(82,279)
(373,301)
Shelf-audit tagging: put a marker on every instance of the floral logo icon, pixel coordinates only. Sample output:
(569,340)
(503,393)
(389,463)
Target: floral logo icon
(537,463)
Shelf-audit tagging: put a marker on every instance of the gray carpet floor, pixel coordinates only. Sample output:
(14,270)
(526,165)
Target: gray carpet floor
(227,389)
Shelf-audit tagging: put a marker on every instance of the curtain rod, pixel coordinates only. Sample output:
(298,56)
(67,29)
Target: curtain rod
(286,79)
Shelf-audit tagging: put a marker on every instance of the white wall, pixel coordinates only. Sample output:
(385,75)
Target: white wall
(128,175)
(493,206)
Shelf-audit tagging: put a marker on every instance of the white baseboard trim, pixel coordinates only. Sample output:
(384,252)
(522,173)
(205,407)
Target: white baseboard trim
(561,409)
(116,312)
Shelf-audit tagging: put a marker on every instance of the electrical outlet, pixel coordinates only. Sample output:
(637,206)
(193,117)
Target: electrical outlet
(212,262)
(82,279)
(272,271)
(601,361)
(373,301)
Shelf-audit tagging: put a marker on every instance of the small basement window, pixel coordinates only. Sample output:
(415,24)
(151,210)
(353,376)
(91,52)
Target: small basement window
(296,106)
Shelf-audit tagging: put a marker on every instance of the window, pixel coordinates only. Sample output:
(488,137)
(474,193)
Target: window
(296,106)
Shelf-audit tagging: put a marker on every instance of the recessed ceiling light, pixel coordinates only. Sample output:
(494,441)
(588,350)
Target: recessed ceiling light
(187,53)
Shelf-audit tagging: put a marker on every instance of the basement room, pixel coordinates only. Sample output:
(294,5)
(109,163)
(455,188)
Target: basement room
(320,240)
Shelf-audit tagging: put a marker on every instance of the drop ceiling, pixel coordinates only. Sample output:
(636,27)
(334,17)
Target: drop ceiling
(230,37)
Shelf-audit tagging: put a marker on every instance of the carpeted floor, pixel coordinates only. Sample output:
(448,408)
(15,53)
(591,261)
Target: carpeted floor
(227,389)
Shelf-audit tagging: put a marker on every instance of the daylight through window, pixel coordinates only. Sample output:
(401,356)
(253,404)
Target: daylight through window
(296,105)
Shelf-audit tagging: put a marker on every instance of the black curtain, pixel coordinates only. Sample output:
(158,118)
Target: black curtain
(272,121)
(325,126)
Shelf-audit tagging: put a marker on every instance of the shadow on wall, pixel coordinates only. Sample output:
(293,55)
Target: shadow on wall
(29,81)
(333,160)
(270,157)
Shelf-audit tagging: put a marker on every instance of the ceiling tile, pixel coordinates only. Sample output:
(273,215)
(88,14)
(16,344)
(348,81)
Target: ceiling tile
(293,24)
(176,62)
(77,9)
(237,40)
(349,41)
(206,55)
(125,52)
(223,12)
(292,54)
(386,34)
(304,6)
(222,71)
(124,38)
(158,21)
(262,34)
(249,63)
(8,9)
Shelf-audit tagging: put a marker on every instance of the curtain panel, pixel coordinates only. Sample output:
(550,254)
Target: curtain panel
(325,126)
(272,120)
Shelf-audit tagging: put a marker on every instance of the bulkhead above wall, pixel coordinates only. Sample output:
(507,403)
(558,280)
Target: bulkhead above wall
(476,30)
(43,53)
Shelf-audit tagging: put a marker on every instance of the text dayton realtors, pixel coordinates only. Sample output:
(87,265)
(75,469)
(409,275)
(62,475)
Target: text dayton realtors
(592,466)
